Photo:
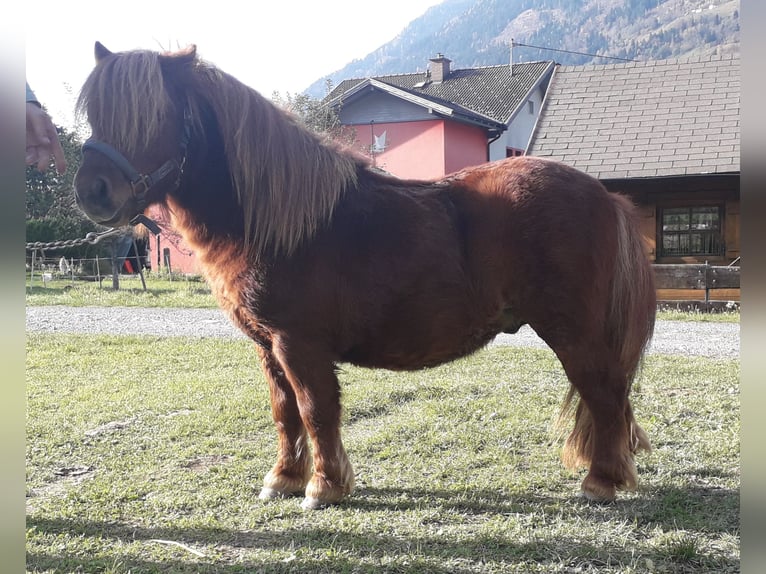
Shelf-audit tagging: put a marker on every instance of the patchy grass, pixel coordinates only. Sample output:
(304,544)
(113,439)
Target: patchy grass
(147,454)
(729,316)
(161,291)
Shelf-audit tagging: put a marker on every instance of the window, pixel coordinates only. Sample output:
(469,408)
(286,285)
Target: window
(691,231)
(531,106)
(513,152)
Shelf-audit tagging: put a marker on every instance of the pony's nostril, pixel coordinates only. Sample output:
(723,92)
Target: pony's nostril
(100,189)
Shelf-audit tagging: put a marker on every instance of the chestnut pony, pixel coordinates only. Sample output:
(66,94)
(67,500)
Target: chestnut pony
(321,259)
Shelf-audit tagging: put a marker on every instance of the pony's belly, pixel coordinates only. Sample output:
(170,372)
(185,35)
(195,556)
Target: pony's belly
(417,354)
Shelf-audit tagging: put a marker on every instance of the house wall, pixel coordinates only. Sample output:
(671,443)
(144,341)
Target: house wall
(520,127)
(464,146)
(418,144)
(182,259)
(731,229)
(413,149)
(381,108)
(425,149)
(652,195)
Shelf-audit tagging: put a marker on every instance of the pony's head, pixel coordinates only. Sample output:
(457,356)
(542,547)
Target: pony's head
(274,180)
(140,129)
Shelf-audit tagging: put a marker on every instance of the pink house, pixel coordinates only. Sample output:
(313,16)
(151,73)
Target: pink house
(426,125)
(423,149)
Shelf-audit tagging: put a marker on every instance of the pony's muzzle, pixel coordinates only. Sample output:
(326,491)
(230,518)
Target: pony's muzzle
(99,190)
(96,199)
(93,194)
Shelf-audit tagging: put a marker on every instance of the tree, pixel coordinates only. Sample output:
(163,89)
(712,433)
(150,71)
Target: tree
(316,115)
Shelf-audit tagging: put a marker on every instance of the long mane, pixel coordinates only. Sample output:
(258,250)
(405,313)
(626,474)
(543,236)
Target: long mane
(286,178)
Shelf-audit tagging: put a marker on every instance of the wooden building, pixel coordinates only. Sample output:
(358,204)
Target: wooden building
(666,133)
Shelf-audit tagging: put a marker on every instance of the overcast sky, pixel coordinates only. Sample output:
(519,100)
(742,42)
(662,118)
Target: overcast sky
(264,44)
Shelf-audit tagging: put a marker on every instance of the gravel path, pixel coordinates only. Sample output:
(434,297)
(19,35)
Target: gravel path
(720,340)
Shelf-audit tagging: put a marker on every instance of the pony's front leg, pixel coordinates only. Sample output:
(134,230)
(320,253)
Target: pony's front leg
(292,470)
(317,391)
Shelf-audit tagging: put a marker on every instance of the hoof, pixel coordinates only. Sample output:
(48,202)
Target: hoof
(590,497)
(269,493)
(311,503)
(598,490)
(277,485)
(321,494)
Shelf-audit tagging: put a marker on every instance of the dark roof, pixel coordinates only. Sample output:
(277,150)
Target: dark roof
(491,91)
(643,119)
(436,106)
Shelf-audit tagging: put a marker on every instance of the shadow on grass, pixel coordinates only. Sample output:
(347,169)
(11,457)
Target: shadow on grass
(701,509)
(326,547)
(48,290)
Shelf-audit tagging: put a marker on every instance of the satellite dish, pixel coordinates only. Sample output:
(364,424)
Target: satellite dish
(379,143)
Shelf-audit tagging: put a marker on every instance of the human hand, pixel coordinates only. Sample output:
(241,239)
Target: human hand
(43,140)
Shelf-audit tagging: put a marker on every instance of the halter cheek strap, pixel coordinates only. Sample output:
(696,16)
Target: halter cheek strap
(139,183)
(142,183)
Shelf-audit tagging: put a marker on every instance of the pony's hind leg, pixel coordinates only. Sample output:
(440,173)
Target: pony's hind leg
(605,435)
(292,471)
(317,392)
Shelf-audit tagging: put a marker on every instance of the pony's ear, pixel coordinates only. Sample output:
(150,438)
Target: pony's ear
(190,52)
(101,51)
(180,58)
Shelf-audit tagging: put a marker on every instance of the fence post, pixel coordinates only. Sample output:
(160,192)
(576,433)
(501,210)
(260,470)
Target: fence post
(159,266)
(32,270)
(138,261)
(115,271)
(166,257)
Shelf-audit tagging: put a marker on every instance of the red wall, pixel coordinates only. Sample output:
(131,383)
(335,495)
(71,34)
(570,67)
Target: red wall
(182,260)
(464,146)
(425,149)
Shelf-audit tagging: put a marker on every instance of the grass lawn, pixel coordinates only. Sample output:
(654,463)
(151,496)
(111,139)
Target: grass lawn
(146,454)
(161,291)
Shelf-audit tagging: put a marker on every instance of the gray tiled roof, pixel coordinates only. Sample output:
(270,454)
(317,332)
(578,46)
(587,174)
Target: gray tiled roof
(643,119)
(490,91)
(437,106)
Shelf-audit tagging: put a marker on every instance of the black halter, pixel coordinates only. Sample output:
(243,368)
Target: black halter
(140,183)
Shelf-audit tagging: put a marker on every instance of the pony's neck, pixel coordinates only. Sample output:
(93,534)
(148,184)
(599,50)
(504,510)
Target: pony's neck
(206,192)
(285,180)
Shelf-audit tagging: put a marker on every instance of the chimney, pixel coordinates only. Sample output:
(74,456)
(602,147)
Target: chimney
(439,68)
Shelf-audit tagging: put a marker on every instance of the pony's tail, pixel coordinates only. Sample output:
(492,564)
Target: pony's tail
(629,328)
(633,300)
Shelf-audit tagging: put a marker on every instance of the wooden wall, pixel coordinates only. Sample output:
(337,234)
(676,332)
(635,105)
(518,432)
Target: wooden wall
(697,282)
(651,194)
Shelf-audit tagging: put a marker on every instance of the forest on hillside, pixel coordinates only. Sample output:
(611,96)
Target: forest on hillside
(479,33)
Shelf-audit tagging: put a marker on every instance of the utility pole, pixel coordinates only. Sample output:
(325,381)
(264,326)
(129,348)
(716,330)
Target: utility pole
(511,56)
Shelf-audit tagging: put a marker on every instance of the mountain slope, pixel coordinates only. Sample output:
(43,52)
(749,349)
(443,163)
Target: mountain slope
(478,33)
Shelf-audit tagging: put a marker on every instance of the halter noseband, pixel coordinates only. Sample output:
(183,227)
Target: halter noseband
(140,184)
